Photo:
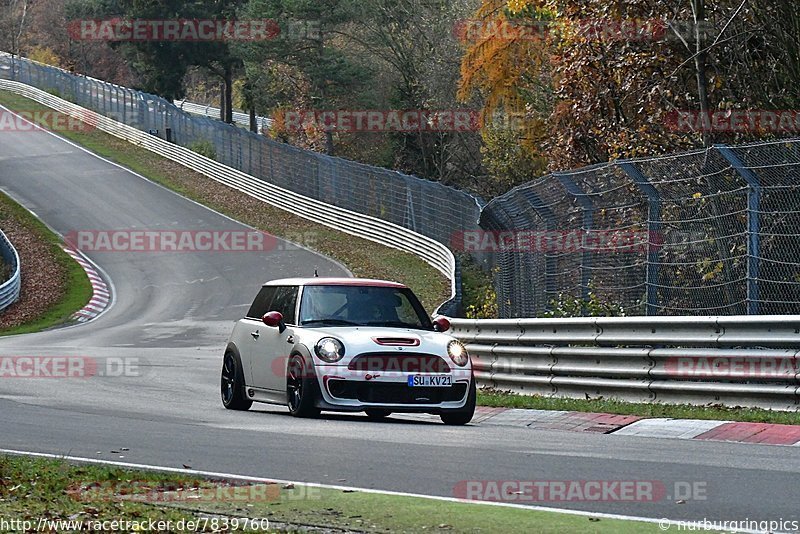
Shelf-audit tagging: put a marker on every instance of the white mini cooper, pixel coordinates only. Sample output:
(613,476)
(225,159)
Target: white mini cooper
(346,344)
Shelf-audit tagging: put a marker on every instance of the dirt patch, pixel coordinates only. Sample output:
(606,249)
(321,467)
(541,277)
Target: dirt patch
(43,277)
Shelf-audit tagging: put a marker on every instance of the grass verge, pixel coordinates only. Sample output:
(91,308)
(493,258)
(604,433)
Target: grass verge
(62,285)
(362,257)
(31,489)
(479,296)
(674,411)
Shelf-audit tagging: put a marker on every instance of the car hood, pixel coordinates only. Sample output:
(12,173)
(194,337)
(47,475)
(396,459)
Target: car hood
(361,339)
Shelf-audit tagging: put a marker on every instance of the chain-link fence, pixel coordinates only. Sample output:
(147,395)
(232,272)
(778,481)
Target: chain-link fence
(712,231)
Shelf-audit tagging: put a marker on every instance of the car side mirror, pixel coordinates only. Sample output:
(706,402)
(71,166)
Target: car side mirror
(274,319)
(441,324)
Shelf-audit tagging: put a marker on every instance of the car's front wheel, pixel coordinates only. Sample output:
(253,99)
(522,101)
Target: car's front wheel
(463,415)
(300,388)
(232,384)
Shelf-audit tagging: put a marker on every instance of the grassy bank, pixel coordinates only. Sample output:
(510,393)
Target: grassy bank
(54,286)
(32,489)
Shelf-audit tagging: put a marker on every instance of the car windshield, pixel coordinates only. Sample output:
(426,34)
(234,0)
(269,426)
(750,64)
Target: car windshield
(346,305)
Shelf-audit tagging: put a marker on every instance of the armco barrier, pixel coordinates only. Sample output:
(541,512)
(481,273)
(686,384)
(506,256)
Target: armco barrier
(364,226)
(729,360)
(9,290)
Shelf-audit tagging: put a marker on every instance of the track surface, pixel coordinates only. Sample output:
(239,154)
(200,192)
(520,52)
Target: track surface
(173,313)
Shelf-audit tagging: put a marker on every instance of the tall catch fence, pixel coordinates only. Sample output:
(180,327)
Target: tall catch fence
(708,232)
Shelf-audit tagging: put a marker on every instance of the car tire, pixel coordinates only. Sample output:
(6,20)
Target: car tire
(301,388)
(232,383)
(377,414)
(463,415)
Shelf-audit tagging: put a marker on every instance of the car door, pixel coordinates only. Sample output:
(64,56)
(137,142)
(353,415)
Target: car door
(250,328)
(270,348)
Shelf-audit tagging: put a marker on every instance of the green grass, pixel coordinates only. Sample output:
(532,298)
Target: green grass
(479,296)
(390,513)
(674,411)
(76,290)
(32,488)
(362,257)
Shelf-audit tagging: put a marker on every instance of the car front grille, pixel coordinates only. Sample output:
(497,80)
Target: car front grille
(401,362)
(394,393)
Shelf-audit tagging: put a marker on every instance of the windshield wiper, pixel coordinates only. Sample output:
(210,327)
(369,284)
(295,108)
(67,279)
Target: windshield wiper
(340,322)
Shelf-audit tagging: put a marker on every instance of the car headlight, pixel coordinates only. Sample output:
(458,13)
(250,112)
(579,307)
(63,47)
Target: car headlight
(458,353)
(329,349)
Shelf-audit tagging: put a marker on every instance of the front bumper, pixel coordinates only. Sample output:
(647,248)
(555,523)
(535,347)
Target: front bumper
(344,389)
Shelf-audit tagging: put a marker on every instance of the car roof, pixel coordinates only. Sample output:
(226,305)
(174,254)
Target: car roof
(323,281)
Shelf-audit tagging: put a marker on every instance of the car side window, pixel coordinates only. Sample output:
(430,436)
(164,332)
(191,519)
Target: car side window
(285,301)
(406,312)
(261,303)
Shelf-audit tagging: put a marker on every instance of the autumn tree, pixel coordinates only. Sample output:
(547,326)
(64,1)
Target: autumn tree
(308,47)
(620,70)
(159,66)
(504,71)
(13,21)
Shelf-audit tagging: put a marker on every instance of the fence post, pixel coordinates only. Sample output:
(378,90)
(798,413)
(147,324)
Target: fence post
(588,225)
(753,224)
(653,229)
(271,167)
(410,217)
(550,222)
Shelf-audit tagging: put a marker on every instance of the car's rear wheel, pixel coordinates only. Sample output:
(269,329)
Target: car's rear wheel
(463,415)
(232,384)
(377,414)
(300,388)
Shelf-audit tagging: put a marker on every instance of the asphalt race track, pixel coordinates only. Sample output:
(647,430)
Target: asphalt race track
(171,315)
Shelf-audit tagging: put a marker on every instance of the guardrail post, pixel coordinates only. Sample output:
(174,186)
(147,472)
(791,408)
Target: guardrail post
(588,225)
(654,226)
(753,224)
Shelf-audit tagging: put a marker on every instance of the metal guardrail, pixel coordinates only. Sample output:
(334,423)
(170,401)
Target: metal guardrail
(240,118)
(9,290)
(371,228)
(728,360)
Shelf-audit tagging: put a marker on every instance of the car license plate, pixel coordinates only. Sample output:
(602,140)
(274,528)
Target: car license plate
(436,381)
